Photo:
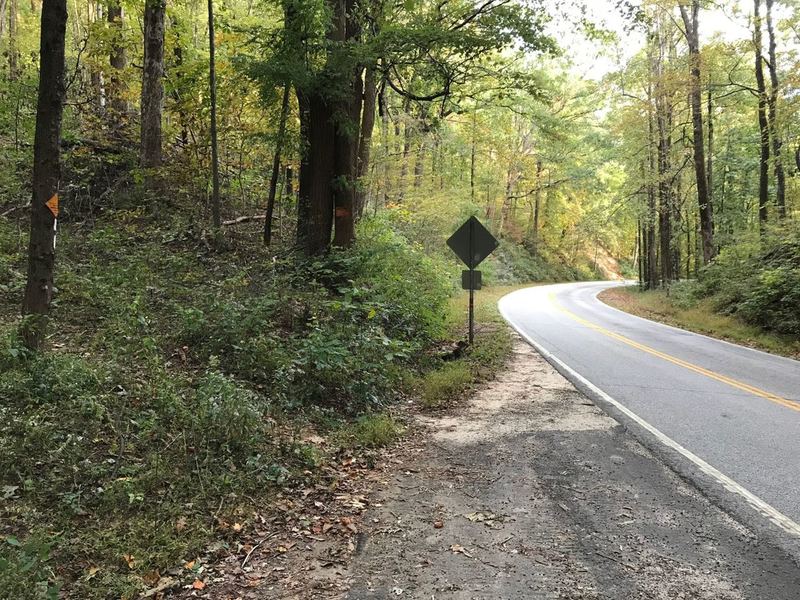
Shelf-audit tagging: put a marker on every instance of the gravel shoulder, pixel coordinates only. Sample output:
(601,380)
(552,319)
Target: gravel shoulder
(529,490)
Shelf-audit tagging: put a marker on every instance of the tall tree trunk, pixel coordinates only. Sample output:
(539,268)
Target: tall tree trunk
(419,161)
(3,9)
(383,110)
(346,145)
(472,154)
(118,59)
(315,202)
(152,83)
(365,141)
(663,118)
(777,140)
(691,24)
(212,79)
(407,135)
(537,201)
(276,165)
(46,174)
(13,51)
(763,123)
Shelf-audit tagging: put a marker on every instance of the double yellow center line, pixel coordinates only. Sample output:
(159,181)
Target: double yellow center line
(677,361)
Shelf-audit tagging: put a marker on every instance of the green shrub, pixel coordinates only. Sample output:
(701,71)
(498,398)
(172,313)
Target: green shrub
(25,572)
(758,279)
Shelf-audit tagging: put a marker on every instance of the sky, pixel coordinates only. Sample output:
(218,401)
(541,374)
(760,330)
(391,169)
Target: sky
(592,60)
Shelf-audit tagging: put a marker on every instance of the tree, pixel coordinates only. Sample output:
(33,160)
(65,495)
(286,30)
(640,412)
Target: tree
(152,84)
(777,141)
(692,34)
(276,165)
(118,59)
(212,82)
(763,122)
(46,174)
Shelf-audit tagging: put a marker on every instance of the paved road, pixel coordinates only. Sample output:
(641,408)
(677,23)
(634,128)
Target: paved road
(735,408)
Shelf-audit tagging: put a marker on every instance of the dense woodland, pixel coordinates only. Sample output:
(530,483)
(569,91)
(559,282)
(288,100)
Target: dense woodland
(222,227)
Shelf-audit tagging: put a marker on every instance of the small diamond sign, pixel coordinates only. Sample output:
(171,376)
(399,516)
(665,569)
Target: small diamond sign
(472,242)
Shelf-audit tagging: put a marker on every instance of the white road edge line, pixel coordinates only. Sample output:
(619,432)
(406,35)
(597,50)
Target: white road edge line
(766,510)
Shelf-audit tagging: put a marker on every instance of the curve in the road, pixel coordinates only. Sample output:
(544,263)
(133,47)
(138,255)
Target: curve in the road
(700,397)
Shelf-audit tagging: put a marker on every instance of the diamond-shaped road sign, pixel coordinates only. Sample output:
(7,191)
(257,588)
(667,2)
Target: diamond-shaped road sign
(472,242)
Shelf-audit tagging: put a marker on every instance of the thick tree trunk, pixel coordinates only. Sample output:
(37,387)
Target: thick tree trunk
(118,59)
(46,174)
(763,123)
(212,79)
(315,202)
(691,23)
(365,142)
(346,148)
(777,140)
(276,165)
(152,83)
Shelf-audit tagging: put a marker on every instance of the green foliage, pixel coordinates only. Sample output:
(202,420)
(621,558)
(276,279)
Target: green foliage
(759,280)
(25,569)
(513,263)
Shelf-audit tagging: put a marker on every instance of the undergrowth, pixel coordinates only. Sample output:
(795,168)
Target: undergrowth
(180,378)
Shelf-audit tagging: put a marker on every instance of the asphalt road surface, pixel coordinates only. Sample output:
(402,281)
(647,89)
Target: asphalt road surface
(732,411)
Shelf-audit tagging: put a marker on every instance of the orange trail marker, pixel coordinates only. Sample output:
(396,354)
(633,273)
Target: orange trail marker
(52,204)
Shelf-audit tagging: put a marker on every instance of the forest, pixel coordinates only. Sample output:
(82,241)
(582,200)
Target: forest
(223,225)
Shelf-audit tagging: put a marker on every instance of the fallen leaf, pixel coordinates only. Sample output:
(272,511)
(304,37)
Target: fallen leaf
(189,565)
(199,584)
(457,549)
(151,578)
(129,560)
(92,572)
(237,527)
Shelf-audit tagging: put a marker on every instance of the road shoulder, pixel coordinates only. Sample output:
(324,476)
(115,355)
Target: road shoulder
(532,490)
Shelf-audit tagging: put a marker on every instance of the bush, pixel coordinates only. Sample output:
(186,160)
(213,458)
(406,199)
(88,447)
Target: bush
(759,280)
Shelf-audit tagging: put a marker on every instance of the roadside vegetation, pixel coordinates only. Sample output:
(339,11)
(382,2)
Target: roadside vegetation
(749,295)
(189,383)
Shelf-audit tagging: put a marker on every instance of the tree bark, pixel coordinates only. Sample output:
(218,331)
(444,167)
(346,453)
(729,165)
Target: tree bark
(276,165)
(691,24)
(12,52)
(763,122)
(212,79)
(152,84)
(383,109)
(663,118)
(777,141)
(346,151)
(118,59)
(46,174)
(365,142)
(315,201)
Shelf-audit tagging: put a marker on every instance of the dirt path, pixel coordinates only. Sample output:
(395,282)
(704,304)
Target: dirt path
(531,491)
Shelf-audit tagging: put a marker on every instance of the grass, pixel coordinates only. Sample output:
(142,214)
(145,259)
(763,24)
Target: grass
(700,317)
(451,379)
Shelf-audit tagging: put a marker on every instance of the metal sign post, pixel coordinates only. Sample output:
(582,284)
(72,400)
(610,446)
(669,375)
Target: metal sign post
(472,243)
